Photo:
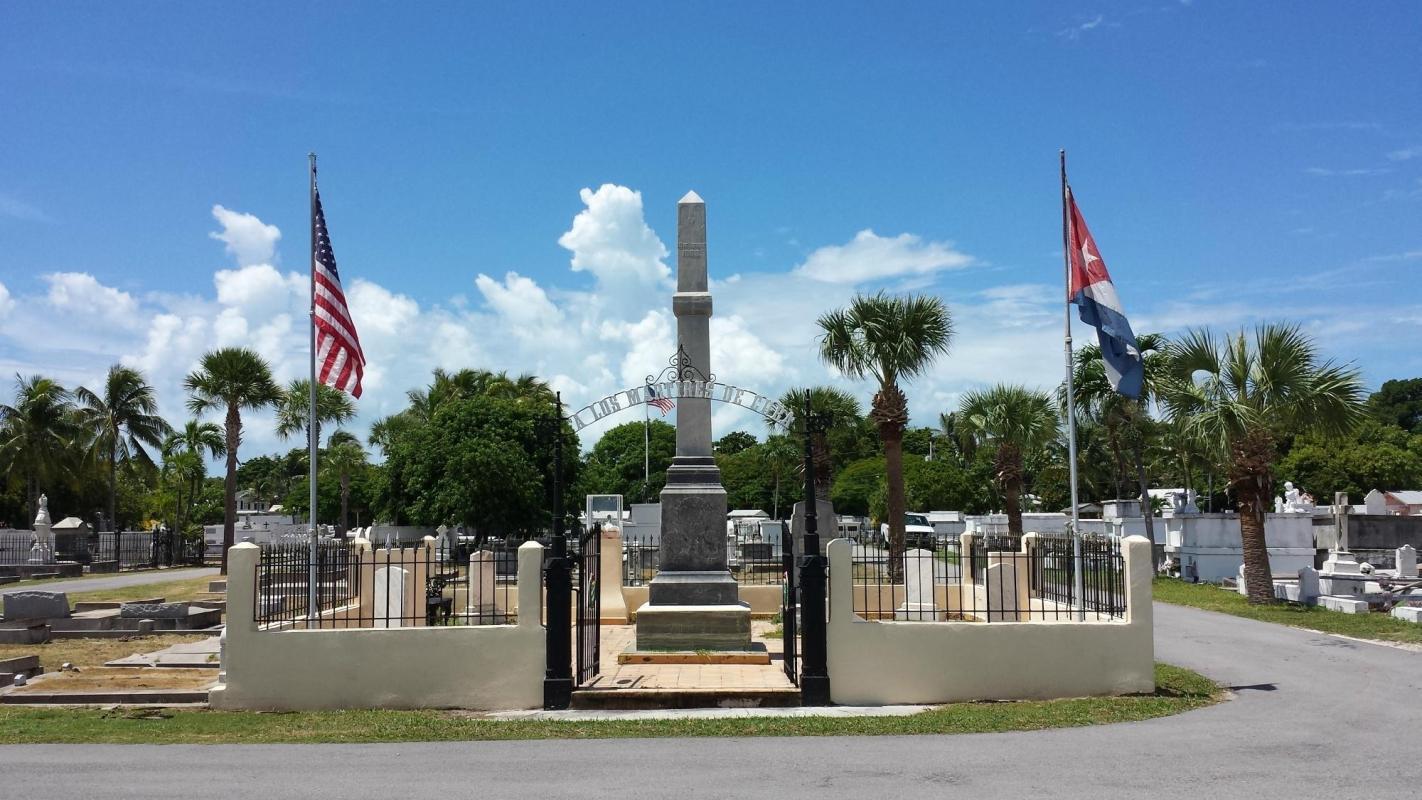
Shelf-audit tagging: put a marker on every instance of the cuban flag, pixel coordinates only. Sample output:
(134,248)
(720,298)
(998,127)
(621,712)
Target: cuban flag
(1095,296)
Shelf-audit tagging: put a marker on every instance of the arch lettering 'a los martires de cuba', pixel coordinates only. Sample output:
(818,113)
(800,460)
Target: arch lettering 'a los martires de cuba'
(767,407)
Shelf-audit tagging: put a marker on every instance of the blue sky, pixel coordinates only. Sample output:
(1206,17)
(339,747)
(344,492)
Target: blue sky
(1236,162)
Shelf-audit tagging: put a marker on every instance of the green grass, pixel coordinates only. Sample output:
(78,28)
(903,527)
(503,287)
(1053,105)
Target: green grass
(1178,690)
(171,591)
(1380,627)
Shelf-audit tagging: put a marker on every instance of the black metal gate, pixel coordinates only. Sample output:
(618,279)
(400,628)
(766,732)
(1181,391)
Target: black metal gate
(589,602)
(790,607)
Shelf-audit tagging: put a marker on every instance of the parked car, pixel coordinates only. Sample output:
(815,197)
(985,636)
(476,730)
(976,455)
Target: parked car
(917,533)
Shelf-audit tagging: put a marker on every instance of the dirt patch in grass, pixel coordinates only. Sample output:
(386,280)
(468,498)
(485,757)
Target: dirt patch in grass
(84,653)
(1373,625)
(120,679)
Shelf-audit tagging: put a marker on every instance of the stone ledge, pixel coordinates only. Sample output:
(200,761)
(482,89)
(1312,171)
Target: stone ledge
(757,654)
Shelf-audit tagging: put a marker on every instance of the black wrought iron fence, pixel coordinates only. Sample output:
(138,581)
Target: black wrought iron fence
(107,551)
(993,582)
(397,588)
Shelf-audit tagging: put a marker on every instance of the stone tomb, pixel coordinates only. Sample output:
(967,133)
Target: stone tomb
(919,603)
(36,604)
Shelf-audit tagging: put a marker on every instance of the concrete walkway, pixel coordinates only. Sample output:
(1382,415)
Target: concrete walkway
(1314,716)
(118,581)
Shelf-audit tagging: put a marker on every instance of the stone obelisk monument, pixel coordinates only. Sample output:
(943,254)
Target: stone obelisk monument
(692,604)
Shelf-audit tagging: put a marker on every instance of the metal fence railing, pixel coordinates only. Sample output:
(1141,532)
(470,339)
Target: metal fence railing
(997,580)
(408,587)
(750,563)
(107,551)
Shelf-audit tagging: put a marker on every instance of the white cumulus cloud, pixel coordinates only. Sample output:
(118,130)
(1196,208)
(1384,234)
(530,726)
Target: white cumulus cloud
(610,238)
(870,257)
(248,239)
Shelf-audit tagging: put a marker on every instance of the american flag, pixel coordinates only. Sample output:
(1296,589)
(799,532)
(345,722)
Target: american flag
(657,401)
(339,360)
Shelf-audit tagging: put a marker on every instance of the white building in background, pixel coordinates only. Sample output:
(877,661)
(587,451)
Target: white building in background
(1394,503)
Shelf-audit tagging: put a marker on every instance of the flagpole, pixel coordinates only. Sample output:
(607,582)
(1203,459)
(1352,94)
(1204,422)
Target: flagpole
(646,448)
(312,431)
(1071,398)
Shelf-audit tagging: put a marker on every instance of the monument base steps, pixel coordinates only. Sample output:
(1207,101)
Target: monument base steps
(641,699)
(756,655)
(709,627)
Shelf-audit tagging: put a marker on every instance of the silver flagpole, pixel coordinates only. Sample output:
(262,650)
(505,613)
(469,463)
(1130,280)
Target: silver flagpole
(311,428)
(646,446)
(1077,565)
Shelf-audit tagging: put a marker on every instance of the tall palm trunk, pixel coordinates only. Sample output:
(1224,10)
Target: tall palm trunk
(345,503)
(893,438)
(229,505)
(1009,474)
(1250,478)
(113,482)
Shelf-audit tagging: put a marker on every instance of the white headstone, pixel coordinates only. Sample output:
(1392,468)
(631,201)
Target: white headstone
(1239,581)
(482,582)
(389,593)
(919,603)
(1308,585)
(1406,561)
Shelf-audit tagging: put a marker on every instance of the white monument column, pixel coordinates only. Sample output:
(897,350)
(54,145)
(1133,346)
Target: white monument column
(693,604)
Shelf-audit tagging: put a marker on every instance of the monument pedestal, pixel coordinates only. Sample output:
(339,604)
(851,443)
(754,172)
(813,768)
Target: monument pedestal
(714,627)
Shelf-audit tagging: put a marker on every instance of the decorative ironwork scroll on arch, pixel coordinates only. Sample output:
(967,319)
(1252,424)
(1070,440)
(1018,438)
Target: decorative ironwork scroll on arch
(679,379)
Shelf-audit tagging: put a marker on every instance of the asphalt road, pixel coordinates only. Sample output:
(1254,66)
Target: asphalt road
(117,581)
(1314,717)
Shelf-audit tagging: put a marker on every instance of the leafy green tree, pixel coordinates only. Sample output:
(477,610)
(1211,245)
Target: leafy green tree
(36,436)
(618,463)
(1239,395)
(1398,402)
(118,424)
(734,442)
(1016,423)
(231,380)
(1373,456)
(480,462)
(889,339)
(743,476)
(856,484)
(781,460)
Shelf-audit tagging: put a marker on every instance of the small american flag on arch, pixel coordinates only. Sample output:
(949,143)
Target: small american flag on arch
(339,359)
(658,401)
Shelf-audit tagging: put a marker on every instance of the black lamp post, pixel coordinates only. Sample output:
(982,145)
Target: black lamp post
(558,579)
(814,672)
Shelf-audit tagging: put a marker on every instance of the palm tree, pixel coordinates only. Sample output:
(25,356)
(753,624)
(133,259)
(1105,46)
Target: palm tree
(1239,395)
(120,423)
(345,455)
(1016,421)
(36,434)
(780,457)
(843,412)
(184,459)
(1125,419)
(231,379)
(294,407)
(889,339)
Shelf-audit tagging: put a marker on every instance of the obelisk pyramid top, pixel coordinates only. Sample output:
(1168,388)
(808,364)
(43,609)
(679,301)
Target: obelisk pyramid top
(691,197)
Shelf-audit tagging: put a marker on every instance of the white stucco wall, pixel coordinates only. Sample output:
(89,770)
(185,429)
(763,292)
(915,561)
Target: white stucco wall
(1210,544)
(889,663)
(493,667)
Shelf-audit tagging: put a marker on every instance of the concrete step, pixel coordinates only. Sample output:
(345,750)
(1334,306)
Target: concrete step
(626,699)
(141,697)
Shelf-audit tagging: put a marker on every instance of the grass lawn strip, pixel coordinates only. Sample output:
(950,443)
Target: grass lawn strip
(1178,690)
(1373,626)
(171,591)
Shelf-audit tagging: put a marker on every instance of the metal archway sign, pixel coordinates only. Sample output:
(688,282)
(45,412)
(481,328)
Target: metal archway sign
(681,379)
